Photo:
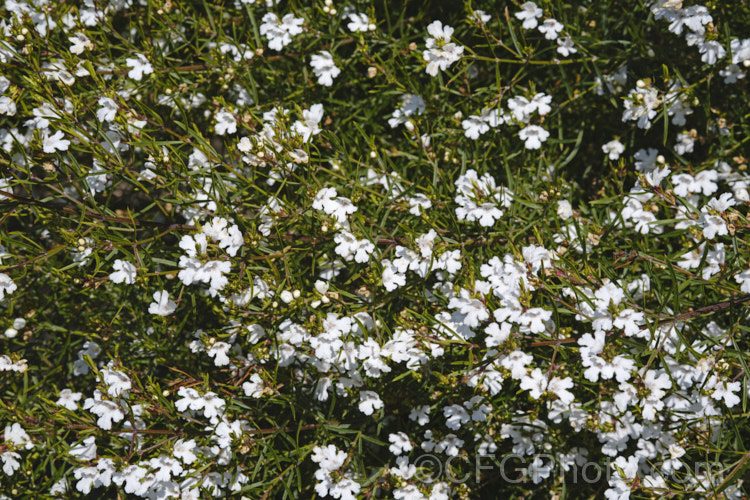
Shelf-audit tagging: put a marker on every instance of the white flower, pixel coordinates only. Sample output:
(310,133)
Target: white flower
(324,68)
(418,202)
(480,17)
(474,126)
(559,387)
(280,33)
(455,416)
(440,52)
(107,411)
(613,149)
(711,51)
(564,209)
(124,272)
(338,207)
(411,105)
(565,46)
(641,106)
(486,214)
(117,382)
(529,15)
(140,66)
(213,406)
(7,106)
(540,103)
(714,261)
(420,414)
(85,450)
(308,126)
(328,458)
(726,391)
(535,383)
(11,462)
(359,22)
(162,305)
(55,142)
(537,471)
(392,278)
(534,135)
(550,28)
(350,248)
(684,144)
(108,109)
(183,450)
(254,388)
(474,310)
(712,225)
(399,443)
(17,436)
(6,285)
(535,318)
(722,203)
(80,42)
(732,73)
(743,279)
(369,401)
(232,240)
(69,399)
(226,123)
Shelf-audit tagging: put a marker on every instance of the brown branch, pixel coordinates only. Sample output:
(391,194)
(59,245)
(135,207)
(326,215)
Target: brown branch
(703,310)
(23,200)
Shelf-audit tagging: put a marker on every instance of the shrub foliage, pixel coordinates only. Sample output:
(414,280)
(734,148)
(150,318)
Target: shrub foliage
(381,249)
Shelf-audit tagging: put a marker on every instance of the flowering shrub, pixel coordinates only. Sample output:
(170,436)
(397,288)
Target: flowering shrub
(419,250)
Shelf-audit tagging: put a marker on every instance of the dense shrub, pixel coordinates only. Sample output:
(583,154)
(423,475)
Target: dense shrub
(371,250)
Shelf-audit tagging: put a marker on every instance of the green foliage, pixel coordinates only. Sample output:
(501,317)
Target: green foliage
(195,140)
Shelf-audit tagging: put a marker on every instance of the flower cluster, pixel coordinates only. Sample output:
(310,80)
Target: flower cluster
(263,249)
